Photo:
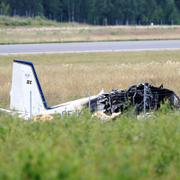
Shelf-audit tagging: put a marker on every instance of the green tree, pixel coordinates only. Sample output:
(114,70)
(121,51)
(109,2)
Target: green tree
(52,9)
(4,8)
(100,12)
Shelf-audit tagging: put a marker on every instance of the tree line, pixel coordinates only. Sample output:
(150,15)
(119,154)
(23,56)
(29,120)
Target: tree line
(97,12)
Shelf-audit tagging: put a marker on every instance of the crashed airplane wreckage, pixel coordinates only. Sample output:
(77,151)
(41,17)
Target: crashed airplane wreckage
(28,101)
(143,97)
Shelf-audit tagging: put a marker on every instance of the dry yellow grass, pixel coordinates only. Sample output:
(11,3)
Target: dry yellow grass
(70,76)
(86,33)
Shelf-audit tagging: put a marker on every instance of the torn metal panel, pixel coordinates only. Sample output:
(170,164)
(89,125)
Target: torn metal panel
(143,97)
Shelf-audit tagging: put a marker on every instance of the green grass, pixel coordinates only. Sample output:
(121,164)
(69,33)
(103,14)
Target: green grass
(84,148)
(6,21)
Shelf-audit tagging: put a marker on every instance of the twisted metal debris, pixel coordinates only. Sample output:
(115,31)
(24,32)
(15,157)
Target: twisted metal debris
(143,97)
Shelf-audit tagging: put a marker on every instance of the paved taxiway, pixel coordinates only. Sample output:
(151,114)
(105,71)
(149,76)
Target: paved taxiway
(80,47)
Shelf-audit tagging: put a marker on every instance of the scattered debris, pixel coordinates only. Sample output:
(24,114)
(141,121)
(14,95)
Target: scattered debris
(104,117)
(43,118)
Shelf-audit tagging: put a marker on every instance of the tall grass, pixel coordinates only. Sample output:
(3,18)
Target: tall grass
(81,147)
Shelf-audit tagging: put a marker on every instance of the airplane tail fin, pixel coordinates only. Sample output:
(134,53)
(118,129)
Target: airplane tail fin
(26,94)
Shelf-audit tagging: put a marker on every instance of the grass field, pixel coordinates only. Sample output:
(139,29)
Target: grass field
(28,30)
(83,147)
(70,76)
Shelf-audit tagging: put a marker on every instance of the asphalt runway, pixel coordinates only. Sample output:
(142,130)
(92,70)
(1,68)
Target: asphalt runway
(82,47)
